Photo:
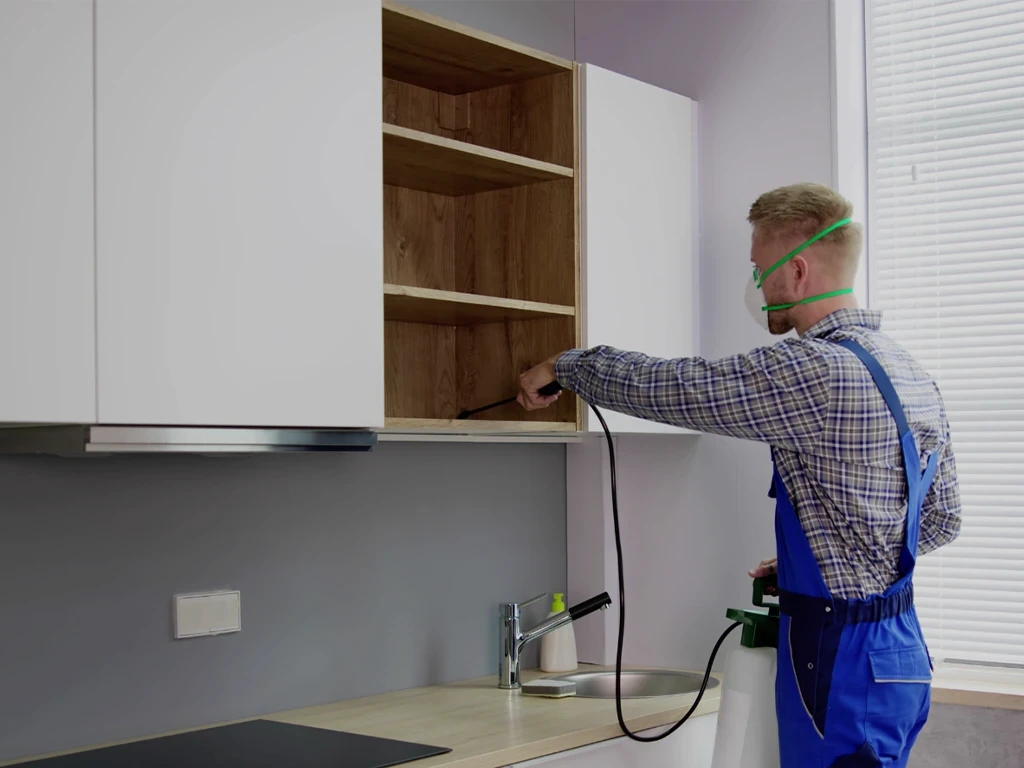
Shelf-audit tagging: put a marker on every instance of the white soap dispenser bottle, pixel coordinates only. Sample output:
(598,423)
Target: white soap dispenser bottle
(558,648)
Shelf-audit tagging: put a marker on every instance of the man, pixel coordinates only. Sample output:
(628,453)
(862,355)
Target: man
(864,476)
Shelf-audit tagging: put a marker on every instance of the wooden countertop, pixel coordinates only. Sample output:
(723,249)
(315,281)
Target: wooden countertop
(487,727)
(490,728)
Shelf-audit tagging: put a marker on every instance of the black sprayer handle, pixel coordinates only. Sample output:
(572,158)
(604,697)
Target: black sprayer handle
(589,606)
(550,389)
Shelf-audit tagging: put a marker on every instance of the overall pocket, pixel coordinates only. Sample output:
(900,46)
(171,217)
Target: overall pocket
(899,696)
(813,647)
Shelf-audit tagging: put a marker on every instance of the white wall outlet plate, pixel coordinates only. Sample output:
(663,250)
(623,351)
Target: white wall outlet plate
(207,613)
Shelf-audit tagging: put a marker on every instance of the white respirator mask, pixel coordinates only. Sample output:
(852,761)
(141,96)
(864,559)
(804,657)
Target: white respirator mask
(755,301)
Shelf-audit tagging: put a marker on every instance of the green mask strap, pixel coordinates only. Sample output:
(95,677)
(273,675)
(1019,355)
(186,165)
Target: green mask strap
(798,249)
(808,300)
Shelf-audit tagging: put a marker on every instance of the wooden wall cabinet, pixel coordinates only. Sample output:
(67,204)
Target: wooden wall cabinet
(531,205)
(480,224)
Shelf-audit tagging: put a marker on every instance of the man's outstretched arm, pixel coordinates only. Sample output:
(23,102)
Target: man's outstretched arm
(776,394)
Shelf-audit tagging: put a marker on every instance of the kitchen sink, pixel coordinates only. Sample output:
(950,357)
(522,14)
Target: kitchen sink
(636,683)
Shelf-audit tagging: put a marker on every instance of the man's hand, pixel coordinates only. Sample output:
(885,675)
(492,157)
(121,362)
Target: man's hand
(766,568)
(531,381)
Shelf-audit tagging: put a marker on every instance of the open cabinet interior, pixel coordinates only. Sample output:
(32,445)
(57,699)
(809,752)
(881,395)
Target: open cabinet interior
(480,224)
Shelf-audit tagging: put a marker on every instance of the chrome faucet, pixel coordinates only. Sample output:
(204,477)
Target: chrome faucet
(514,640)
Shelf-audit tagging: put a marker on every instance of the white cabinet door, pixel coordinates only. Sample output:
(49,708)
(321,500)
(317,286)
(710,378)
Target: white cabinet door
(47,317)
(639,239)
(239,212)
(692,746)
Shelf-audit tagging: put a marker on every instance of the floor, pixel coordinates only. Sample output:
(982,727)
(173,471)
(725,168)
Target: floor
(970,737)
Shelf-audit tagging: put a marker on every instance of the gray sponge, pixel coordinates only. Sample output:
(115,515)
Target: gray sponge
(553,689)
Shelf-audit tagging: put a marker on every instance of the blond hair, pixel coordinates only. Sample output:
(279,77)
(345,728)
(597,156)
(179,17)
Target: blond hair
(802,211)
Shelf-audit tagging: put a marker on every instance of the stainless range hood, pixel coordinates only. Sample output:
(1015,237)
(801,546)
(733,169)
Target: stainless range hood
(85,440)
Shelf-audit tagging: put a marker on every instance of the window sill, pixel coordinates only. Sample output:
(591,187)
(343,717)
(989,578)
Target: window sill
(978,686)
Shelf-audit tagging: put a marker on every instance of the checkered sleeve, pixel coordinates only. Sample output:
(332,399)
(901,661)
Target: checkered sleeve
(777,394)
(940,512)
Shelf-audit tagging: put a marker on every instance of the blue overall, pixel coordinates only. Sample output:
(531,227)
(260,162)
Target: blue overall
(853,687)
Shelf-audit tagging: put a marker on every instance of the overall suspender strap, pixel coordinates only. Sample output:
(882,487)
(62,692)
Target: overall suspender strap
(883,383)
(917,482)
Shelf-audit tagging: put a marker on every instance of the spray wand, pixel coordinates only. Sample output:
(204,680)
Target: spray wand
(547,390)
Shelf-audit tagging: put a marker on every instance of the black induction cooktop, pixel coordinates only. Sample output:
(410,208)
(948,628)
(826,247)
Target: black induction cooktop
(253,744)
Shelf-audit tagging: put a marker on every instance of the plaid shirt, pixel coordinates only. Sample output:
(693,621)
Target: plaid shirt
(835,441)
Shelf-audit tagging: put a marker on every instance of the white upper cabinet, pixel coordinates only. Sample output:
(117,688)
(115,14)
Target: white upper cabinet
(239,212)
(47,319)
(639,270)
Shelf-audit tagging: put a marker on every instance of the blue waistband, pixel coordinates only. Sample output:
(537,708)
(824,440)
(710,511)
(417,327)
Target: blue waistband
(839,611)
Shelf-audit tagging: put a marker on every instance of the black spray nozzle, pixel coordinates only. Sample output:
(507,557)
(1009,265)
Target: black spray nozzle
(547,390)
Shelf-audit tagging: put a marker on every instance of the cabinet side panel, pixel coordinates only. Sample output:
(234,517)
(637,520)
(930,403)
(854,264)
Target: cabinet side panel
(577,222)
(639,220)
(47,309)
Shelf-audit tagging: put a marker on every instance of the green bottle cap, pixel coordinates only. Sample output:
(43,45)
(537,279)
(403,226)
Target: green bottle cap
(760,628)
(558,604)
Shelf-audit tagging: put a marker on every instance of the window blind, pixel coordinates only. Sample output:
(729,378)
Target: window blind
(946,250)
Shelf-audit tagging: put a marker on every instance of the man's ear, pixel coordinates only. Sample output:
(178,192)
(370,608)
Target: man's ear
(800,270)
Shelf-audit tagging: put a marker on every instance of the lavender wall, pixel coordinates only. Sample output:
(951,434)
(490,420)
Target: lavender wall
(697,507)
(546,25)
(695,515)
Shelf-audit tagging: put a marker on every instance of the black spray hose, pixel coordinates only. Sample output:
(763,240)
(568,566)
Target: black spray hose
(622,610)
(554,388)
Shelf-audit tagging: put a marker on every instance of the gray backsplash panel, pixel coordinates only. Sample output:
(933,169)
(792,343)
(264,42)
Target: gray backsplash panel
(359,573)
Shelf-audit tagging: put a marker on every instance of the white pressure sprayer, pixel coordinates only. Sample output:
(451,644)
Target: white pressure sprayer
(747,734)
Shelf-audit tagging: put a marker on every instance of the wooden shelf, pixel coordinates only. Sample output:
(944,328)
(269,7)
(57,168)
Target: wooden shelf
(434,53)
(479,425)
(423,161)
(427,305)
